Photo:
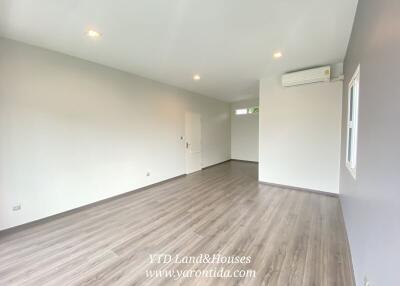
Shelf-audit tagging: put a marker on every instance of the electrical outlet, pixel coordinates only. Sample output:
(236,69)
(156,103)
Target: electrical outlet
(16,207)
(148,174)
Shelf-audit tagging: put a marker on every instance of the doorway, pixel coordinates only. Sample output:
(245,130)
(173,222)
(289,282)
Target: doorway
(192,142)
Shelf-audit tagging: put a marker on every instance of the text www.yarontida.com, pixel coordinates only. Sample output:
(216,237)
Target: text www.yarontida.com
(206,273)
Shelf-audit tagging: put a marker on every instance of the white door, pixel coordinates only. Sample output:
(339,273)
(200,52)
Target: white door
(192,142)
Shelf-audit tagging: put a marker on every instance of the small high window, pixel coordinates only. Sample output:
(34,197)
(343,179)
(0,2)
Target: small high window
(253,110)
(250,110)
(352,122)
(241,111)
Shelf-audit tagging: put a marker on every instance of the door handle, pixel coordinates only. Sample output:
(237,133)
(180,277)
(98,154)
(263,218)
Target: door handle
(187,145)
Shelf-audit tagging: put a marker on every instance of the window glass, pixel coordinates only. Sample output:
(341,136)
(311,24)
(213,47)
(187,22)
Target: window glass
(252,110)
(241,111)
(352,122)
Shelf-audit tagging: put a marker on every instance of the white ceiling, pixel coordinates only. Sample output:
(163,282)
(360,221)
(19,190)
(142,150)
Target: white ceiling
(228,42)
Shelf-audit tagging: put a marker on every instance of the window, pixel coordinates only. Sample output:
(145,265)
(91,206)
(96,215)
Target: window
(253,110)
(352,122)
(241,111)
(250,110)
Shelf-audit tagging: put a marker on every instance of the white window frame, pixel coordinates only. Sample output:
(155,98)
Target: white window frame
(352,122)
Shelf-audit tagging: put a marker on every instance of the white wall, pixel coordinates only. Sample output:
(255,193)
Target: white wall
(74,132)
(300,135)
(244,132)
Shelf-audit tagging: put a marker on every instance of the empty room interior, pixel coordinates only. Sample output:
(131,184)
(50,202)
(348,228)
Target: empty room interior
(189,142)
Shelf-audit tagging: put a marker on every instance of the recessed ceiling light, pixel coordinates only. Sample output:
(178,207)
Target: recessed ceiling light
(93,34)
(196,77)
(277,55)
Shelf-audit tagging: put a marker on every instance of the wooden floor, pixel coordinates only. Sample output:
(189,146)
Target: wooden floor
(292,237)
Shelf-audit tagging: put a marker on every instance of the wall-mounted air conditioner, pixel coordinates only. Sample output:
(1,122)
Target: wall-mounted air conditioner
(307,76)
